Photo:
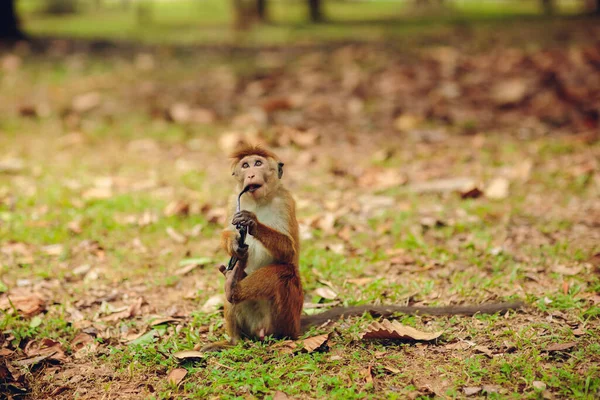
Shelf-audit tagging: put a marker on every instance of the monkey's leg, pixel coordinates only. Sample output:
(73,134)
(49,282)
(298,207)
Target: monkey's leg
(232,328)
(280,284)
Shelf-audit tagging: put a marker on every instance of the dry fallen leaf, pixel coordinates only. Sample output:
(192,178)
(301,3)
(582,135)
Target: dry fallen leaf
(539,385)
(484,350)
(176,376)
(83,344)
(560,346)
(128,312)
(285,346)
(12,165)
(189,355)
(315,343)
(53,249)
(395,330)
(326,293)
(46,348)
(280,396)
(165,320)
(27,306)
(472,390)
(176,236)
(568,271)
(509,92)
(177,207)
(212,304)
(86,102)
(460,184)
(497,189)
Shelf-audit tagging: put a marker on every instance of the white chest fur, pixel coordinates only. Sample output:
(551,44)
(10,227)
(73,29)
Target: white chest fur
(272,216)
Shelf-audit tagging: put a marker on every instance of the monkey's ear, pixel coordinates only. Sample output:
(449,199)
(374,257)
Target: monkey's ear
(280,170)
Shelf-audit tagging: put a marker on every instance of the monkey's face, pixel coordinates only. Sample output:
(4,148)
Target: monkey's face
(257,173)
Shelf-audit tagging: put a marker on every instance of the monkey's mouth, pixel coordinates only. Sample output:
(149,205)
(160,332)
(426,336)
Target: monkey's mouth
(253,187)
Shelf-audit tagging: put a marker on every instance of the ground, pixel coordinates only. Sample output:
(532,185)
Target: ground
(429,175)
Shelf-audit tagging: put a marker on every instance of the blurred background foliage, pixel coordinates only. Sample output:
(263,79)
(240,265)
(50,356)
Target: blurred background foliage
(271,21)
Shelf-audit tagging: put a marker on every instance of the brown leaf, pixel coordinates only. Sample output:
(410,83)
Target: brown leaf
(75,226)
(27,306)
(179,112)
(472,390)
(471,194)
(497,189)
(407,122)
(285,346)
(53,249)
(578,332)
(86,102)
(83,344)
(326,293)
(212,304)
(560,346)
(395,330)
(133,310)
(176,376)
(368,373)
(45,347)
(460,184)
(392,369)
(176,236)
(568,271)
(595,261)
(32,361)
(315,343)
(177,207)
(509,92)
(97,193)
(12,165)
(276,104)
(165,320)
(189,355)
(484,350)
(305,139)
(280,396)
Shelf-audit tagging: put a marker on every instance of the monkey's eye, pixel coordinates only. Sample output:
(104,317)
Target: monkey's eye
(245,165)
(258,163)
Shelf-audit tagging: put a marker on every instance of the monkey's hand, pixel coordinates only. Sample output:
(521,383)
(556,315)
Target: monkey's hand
(241,252)
(247,219)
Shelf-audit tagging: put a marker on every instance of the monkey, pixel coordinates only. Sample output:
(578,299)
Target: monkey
(263,291)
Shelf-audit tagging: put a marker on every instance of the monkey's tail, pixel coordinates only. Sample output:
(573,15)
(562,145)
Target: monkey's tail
(336,313)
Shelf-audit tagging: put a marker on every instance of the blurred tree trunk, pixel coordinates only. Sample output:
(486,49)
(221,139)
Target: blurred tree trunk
(247,12)
(548,7)
(315,10)
(145,11)
(262,10)
(9,23)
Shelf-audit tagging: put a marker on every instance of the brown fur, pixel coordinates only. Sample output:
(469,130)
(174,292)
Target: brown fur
(249,150)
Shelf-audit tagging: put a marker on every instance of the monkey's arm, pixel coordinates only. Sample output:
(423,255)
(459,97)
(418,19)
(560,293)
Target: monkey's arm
(228,238)
(280,245)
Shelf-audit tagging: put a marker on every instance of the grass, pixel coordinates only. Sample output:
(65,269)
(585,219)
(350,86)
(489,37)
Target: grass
(481,249)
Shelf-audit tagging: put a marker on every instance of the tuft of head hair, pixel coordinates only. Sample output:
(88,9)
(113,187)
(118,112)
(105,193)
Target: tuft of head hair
(249,150)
